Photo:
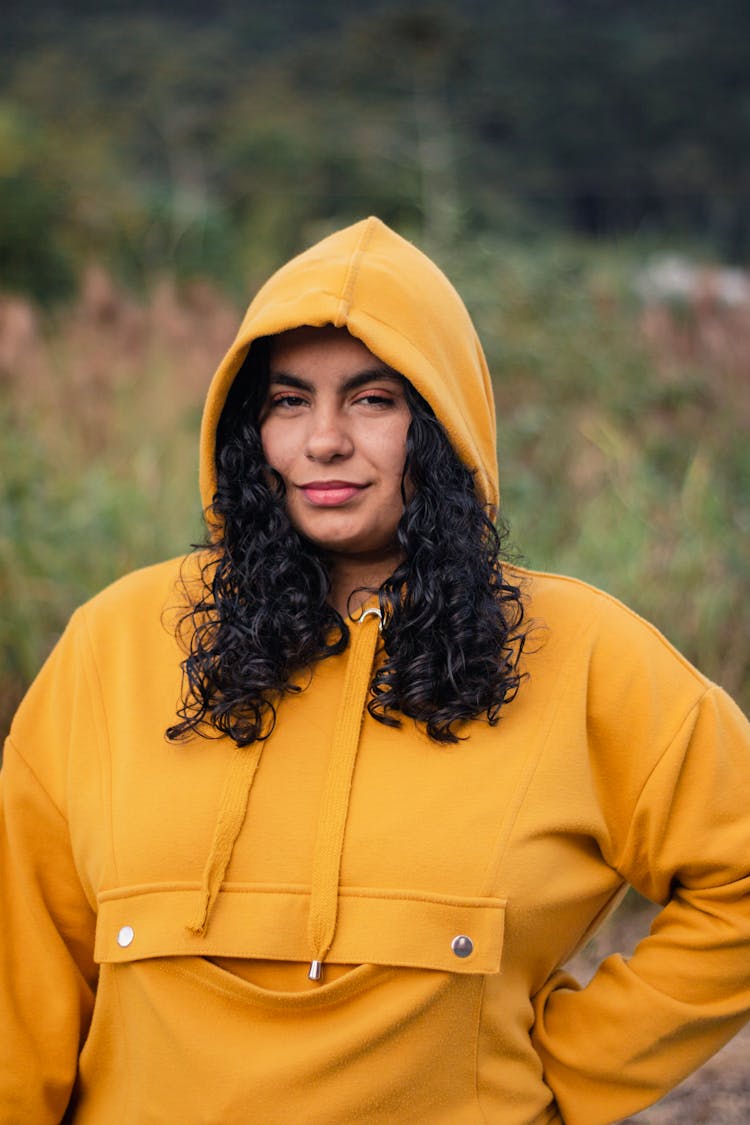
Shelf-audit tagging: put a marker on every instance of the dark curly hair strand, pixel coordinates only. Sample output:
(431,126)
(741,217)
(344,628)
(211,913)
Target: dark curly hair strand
(452,624)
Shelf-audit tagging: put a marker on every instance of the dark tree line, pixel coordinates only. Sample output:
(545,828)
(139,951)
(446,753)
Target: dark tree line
(164,134)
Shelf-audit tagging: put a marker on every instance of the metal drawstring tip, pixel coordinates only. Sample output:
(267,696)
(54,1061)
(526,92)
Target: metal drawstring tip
(316,970)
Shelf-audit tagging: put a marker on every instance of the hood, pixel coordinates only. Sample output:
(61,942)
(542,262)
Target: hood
(371,281)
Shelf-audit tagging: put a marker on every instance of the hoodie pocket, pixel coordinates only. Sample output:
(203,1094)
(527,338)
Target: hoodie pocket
(392,1039)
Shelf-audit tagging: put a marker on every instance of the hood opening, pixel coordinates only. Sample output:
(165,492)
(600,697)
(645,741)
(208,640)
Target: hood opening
(388,294)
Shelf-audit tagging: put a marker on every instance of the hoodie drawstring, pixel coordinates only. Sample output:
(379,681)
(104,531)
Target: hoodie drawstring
(326,866)
(232,812)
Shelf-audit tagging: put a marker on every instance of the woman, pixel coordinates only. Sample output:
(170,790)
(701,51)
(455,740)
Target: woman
(343,887)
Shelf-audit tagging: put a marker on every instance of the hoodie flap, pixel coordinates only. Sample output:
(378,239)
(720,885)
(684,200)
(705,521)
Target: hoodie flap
(380,927)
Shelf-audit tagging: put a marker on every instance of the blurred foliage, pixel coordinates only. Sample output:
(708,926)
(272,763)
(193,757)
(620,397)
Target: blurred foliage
(623,435)
(623,439)
(213,140)
(539,150)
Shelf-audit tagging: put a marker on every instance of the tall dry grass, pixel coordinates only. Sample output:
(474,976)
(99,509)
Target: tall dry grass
(99,411)
(623,438)
(624,427)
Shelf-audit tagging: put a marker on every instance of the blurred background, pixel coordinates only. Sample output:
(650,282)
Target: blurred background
(579,168)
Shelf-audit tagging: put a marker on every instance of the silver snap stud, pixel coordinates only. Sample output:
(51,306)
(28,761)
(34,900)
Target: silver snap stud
(462,945)
(125,935)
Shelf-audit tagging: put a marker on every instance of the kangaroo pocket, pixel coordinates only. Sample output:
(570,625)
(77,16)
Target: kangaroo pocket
(392,1039)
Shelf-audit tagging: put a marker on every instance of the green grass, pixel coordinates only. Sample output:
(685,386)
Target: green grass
(623,438)
(623,443)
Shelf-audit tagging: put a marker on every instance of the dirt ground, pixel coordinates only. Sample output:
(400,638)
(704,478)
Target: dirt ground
(718,1093)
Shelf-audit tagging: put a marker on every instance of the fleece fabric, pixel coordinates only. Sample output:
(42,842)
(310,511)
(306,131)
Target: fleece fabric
(162,903)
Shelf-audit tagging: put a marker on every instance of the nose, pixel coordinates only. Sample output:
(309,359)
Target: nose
(328,437)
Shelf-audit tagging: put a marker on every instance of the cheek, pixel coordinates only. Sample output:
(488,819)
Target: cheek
(272,447)
(393,453)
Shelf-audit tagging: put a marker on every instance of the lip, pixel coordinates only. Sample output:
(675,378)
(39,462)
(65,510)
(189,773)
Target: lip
(330,493)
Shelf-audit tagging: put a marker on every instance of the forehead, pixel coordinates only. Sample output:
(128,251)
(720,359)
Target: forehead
(319,350)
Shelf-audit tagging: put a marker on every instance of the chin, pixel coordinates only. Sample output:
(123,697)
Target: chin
(339,542)
(352,546)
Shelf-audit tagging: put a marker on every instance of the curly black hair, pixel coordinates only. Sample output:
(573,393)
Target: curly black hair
(452,625)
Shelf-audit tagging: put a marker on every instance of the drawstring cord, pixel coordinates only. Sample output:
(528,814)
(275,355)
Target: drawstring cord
(232,812)
(326,867)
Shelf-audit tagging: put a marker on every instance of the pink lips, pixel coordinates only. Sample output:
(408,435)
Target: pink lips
(330,493)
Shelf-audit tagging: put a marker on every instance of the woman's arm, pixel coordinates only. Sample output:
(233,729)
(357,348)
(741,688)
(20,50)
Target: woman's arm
(47,972)
(641,1025)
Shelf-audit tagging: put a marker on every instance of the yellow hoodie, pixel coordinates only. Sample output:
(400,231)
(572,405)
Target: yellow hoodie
(161,903)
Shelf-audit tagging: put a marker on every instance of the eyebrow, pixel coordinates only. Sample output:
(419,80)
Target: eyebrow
(353,383)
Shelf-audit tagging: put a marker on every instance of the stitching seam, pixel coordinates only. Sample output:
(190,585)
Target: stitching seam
(345,300)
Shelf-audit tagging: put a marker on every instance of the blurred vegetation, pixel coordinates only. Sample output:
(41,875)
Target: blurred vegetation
(156,164)
(212,140)
(623,440)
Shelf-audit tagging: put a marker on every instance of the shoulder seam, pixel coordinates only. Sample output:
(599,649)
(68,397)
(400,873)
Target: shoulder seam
(11,742)
(708,689)
(607,599)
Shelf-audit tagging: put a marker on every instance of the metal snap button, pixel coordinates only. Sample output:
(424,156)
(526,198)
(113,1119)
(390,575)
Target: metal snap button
(462,945)
(125,935)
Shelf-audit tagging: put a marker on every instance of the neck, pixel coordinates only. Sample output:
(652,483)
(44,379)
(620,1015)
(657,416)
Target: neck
(363,574)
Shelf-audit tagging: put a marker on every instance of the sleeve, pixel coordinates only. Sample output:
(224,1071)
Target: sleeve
(641,1025)
(47,972)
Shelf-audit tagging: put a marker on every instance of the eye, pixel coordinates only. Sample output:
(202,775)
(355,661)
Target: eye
(288,400)
(377,399)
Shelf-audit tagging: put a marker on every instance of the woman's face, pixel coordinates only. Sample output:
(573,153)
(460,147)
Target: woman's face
(334,427)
